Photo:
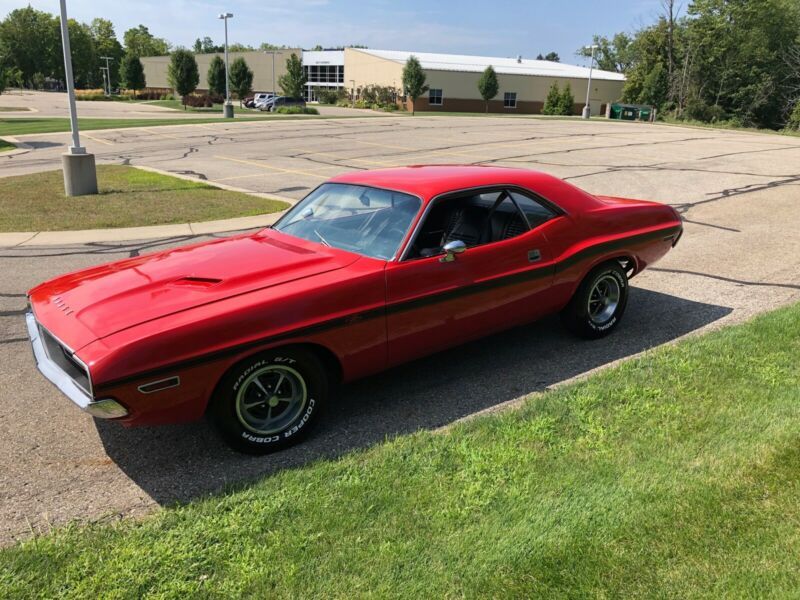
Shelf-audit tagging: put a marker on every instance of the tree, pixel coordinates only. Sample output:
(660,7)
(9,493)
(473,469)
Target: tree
(131,73)
(414,81)
(293,82)
(141,42)
(85,65)
(106,44)
(551,56)
(3,80)
(488,85)
(183,74)
(206,46)
(566,101)
(611,55)
(30,42)
(242,79)
(216,76)
(552,103)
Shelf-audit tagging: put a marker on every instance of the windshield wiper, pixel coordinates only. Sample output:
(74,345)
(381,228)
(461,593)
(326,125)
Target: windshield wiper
(322,239)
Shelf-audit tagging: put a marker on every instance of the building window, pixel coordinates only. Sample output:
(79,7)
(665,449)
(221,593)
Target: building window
(510,100)
(435,97)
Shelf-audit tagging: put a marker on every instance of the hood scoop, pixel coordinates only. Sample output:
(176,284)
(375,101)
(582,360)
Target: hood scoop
(196,282)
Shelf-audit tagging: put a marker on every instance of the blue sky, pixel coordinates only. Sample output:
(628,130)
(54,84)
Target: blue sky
(494,27)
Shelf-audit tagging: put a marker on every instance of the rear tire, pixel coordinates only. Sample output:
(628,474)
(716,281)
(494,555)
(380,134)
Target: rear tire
(270,400)
(599,302)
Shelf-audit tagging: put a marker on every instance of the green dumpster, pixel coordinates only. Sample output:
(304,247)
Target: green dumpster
(631,112)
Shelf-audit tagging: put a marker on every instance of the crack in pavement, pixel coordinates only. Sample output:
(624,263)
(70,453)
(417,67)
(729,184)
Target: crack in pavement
(788,286)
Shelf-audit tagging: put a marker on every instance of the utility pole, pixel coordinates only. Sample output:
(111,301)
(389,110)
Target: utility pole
(228,107)
(108,72)
(80,175)
(587,109)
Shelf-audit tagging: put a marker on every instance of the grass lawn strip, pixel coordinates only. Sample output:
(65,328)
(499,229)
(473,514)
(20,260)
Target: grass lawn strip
(128,197)
(675,474)
(6,146)
(24,126)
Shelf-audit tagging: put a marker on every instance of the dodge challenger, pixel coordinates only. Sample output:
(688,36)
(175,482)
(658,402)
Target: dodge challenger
(370,270)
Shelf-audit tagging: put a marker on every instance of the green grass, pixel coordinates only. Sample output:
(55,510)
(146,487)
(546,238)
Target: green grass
(128,197)
(674,475)
(6,146)
(23,126)
(725,125)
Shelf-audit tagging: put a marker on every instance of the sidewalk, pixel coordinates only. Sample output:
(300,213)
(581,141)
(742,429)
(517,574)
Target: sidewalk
(123,234)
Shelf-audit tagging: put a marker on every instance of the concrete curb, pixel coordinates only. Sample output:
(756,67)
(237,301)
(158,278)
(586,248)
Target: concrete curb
(17,239)
(21,146)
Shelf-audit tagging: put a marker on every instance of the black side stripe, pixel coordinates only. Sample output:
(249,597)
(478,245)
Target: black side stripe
(379,312)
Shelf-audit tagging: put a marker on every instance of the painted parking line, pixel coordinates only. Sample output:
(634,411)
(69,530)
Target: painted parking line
(271,168)
(98,140)
(166,135)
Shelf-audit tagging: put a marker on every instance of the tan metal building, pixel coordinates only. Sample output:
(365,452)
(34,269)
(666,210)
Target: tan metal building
(453,80)
(155,68)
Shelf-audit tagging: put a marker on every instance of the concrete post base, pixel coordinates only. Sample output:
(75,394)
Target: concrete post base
(228,111)
(587,112)
(80,176)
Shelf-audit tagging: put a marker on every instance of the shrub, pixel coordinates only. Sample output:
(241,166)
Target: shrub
(198,100)
(331,96)
(793,124)
(296,110)
(698,110)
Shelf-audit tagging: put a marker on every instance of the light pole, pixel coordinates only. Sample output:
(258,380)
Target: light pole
(274,93)
(587,109)
(108,72)
(80,176)
(228,108)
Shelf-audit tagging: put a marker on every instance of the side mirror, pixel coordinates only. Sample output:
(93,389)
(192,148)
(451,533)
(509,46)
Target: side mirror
(451,249)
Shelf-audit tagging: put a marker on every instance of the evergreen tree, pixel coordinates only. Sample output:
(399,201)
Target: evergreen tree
(414,81)
(552,104)
(488,85)
(566,102)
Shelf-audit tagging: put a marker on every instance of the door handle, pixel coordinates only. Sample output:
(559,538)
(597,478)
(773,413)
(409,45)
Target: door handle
(534,255)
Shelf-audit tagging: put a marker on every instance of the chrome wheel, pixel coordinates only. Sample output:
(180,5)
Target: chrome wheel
(604,299)
(270,399)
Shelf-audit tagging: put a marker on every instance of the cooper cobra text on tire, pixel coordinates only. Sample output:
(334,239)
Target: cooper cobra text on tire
(270,400)
(599,302)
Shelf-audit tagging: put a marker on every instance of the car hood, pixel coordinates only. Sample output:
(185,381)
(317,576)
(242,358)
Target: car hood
(100,301)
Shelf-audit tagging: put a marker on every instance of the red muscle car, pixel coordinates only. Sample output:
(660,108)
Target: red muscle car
(370,270)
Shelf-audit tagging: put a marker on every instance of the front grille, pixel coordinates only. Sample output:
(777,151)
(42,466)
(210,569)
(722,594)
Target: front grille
(62,357)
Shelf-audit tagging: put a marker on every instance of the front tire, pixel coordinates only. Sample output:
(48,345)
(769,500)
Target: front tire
(270,401)
(599,302)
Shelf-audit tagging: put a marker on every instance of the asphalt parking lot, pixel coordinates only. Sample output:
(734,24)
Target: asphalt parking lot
(739,194)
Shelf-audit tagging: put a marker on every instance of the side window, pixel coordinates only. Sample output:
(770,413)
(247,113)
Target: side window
(474,219)
(535,213)
(435,97)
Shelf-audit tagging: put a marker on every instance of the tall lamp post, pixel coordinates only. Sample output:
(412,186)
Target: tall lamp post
(80,175)
(272,52)
(228,107)
(587,109)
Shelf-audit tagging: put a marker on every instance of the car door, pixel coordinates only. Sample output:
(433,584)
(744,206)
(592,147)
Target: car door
(433,304)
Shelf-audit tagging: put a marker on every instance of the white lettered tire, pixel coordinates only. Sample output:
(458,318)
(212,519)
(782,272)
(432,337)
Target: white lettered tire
(599,302)
(270,400)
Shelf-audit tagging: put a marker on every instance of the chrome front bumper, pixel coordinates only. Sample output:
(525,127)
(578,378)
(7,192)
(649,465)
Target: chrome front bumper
(105,408)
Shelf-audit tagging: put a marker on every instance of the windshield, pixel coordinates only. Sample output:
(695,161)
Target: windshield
(361,219)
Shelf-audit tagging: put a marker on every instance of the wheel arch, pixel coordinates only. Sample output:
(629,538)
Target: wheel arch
(330,362)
